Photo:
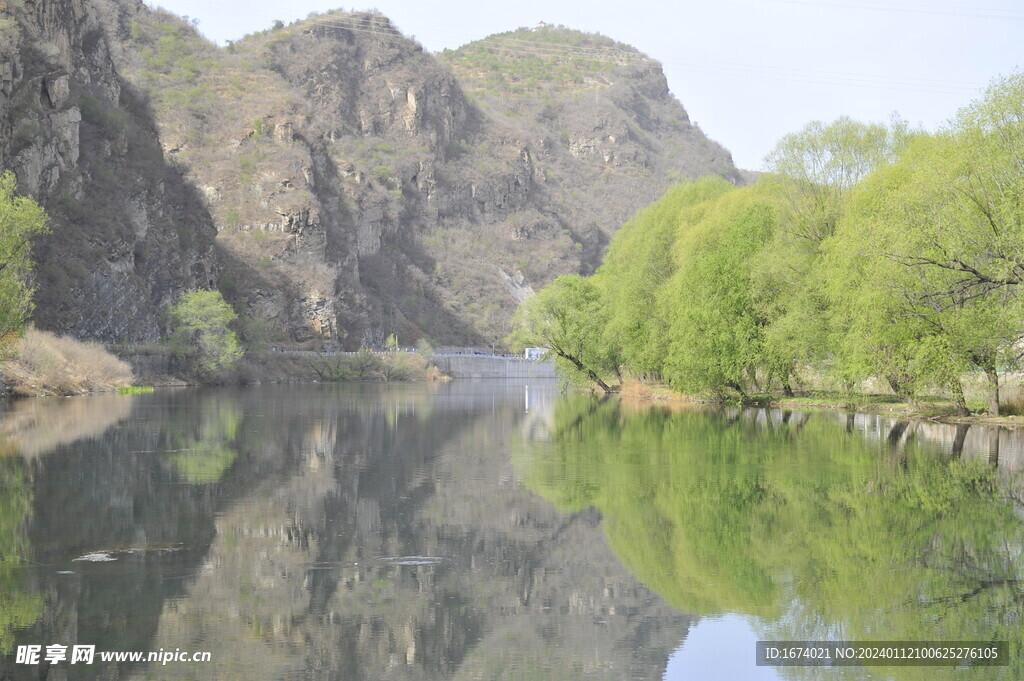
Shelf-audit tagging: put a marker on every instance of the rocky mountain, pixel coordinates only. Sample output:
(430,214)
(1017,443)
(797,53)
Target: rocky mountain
(128,232)
(359,185)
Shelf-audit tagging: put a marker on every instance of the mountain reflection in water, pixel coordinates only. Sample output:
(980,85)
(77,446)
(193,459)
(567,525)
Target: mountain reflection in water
(327,532)
(478,530)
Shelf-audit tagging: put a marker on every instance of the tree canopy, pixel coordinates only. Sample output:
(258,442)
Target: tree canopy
(21,219)
(870,250)
(565,317)
(201,332)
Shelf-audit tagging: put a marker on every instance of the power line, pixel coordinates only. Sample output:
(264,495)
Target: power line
(812,76)
(973,13)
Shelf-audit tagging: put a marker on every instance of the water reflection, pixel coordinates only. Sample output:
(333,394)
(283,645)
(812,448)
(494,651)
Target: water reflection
(19,607)
(719,649)
(820,526)
(396,532)
(322,532)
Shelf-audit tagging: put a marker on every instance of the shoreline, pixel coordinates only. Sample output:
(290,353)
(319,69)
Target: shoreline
(941,411)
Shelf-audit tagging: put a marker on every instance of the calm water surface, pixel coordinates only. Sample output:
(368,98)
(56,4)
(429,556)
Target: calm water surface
(494,531)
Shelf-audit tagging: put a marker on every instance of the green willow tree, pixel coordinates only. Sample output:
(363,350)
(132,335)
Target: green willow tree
(639,262)
(813,172)
(717,330)
(927,267)
(569,318)
(21,219)
(202,335)
(814,169)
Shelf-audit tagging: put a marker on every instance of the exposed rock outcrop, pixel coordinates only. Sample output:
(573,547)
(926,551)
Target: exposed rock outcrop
(128,234)
(359,191)
(358,185)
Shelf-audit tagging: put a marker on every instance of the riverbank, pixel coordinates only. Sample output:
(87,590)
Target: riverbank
(938,409)
(930,408)
(363,366)
(41,363)
(157,365)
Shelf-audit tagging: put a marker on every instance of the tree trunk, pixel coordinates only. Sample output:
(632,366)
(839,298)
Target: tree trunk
(899,386)
(738,388)
(993,446)
(787,389)
(590,372)
(993,381)
(596,379)
(752,374)
(958,441)
(958,398)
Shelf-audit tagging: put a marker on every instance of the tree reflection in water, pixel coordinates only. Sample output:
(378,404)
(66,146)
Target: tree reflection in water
(814,527)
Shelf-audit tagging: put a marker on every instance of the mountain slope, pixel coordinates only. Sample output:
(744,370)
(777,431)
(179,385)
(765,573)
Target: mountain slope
(361,186)
(128,234)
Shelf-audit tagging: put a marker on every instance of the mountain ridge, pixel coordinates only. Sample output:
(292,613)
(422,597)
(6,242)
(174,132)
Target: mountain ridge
(361,186)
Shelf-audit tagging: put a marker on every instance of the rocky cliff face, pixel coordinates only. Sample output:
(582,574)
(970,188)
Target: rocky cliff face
(358,190)
(358,185)
(128,234)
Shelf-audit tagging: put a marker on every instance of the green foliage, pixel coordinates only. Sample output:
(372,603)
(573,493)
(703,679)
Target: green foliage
(568,317)
(135,390)
(254,333)
(233,220)
(638,264)
(716,328)
(21,219)
(424,347)
(871,252)
(818,165)
(927,265)
(366,365)
(246,169)
(797,521)
(201,333)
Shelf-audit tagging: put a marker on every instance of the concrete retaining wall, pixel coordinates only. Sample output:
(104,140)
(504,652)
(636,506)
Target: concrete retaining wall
(473,366)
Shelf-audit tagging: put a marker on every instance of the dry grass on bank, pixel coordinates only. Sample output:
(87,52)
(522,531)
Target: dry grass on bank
(374,366)
(363,366)
(45,364)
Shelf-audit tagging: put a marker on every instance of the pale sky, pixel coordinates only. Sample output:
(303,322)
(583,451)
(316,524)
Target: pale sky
(747,71)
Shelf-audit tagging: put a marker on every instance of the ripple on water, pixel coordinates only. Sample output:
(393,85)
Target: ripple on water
(411,560)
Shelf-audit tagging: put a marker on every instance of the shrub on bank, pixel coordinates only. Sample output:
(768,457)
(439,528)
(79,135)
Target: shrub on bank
(42,363)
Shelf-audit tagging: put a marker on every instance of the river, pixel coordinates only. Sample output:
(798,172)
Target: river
(491,530)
